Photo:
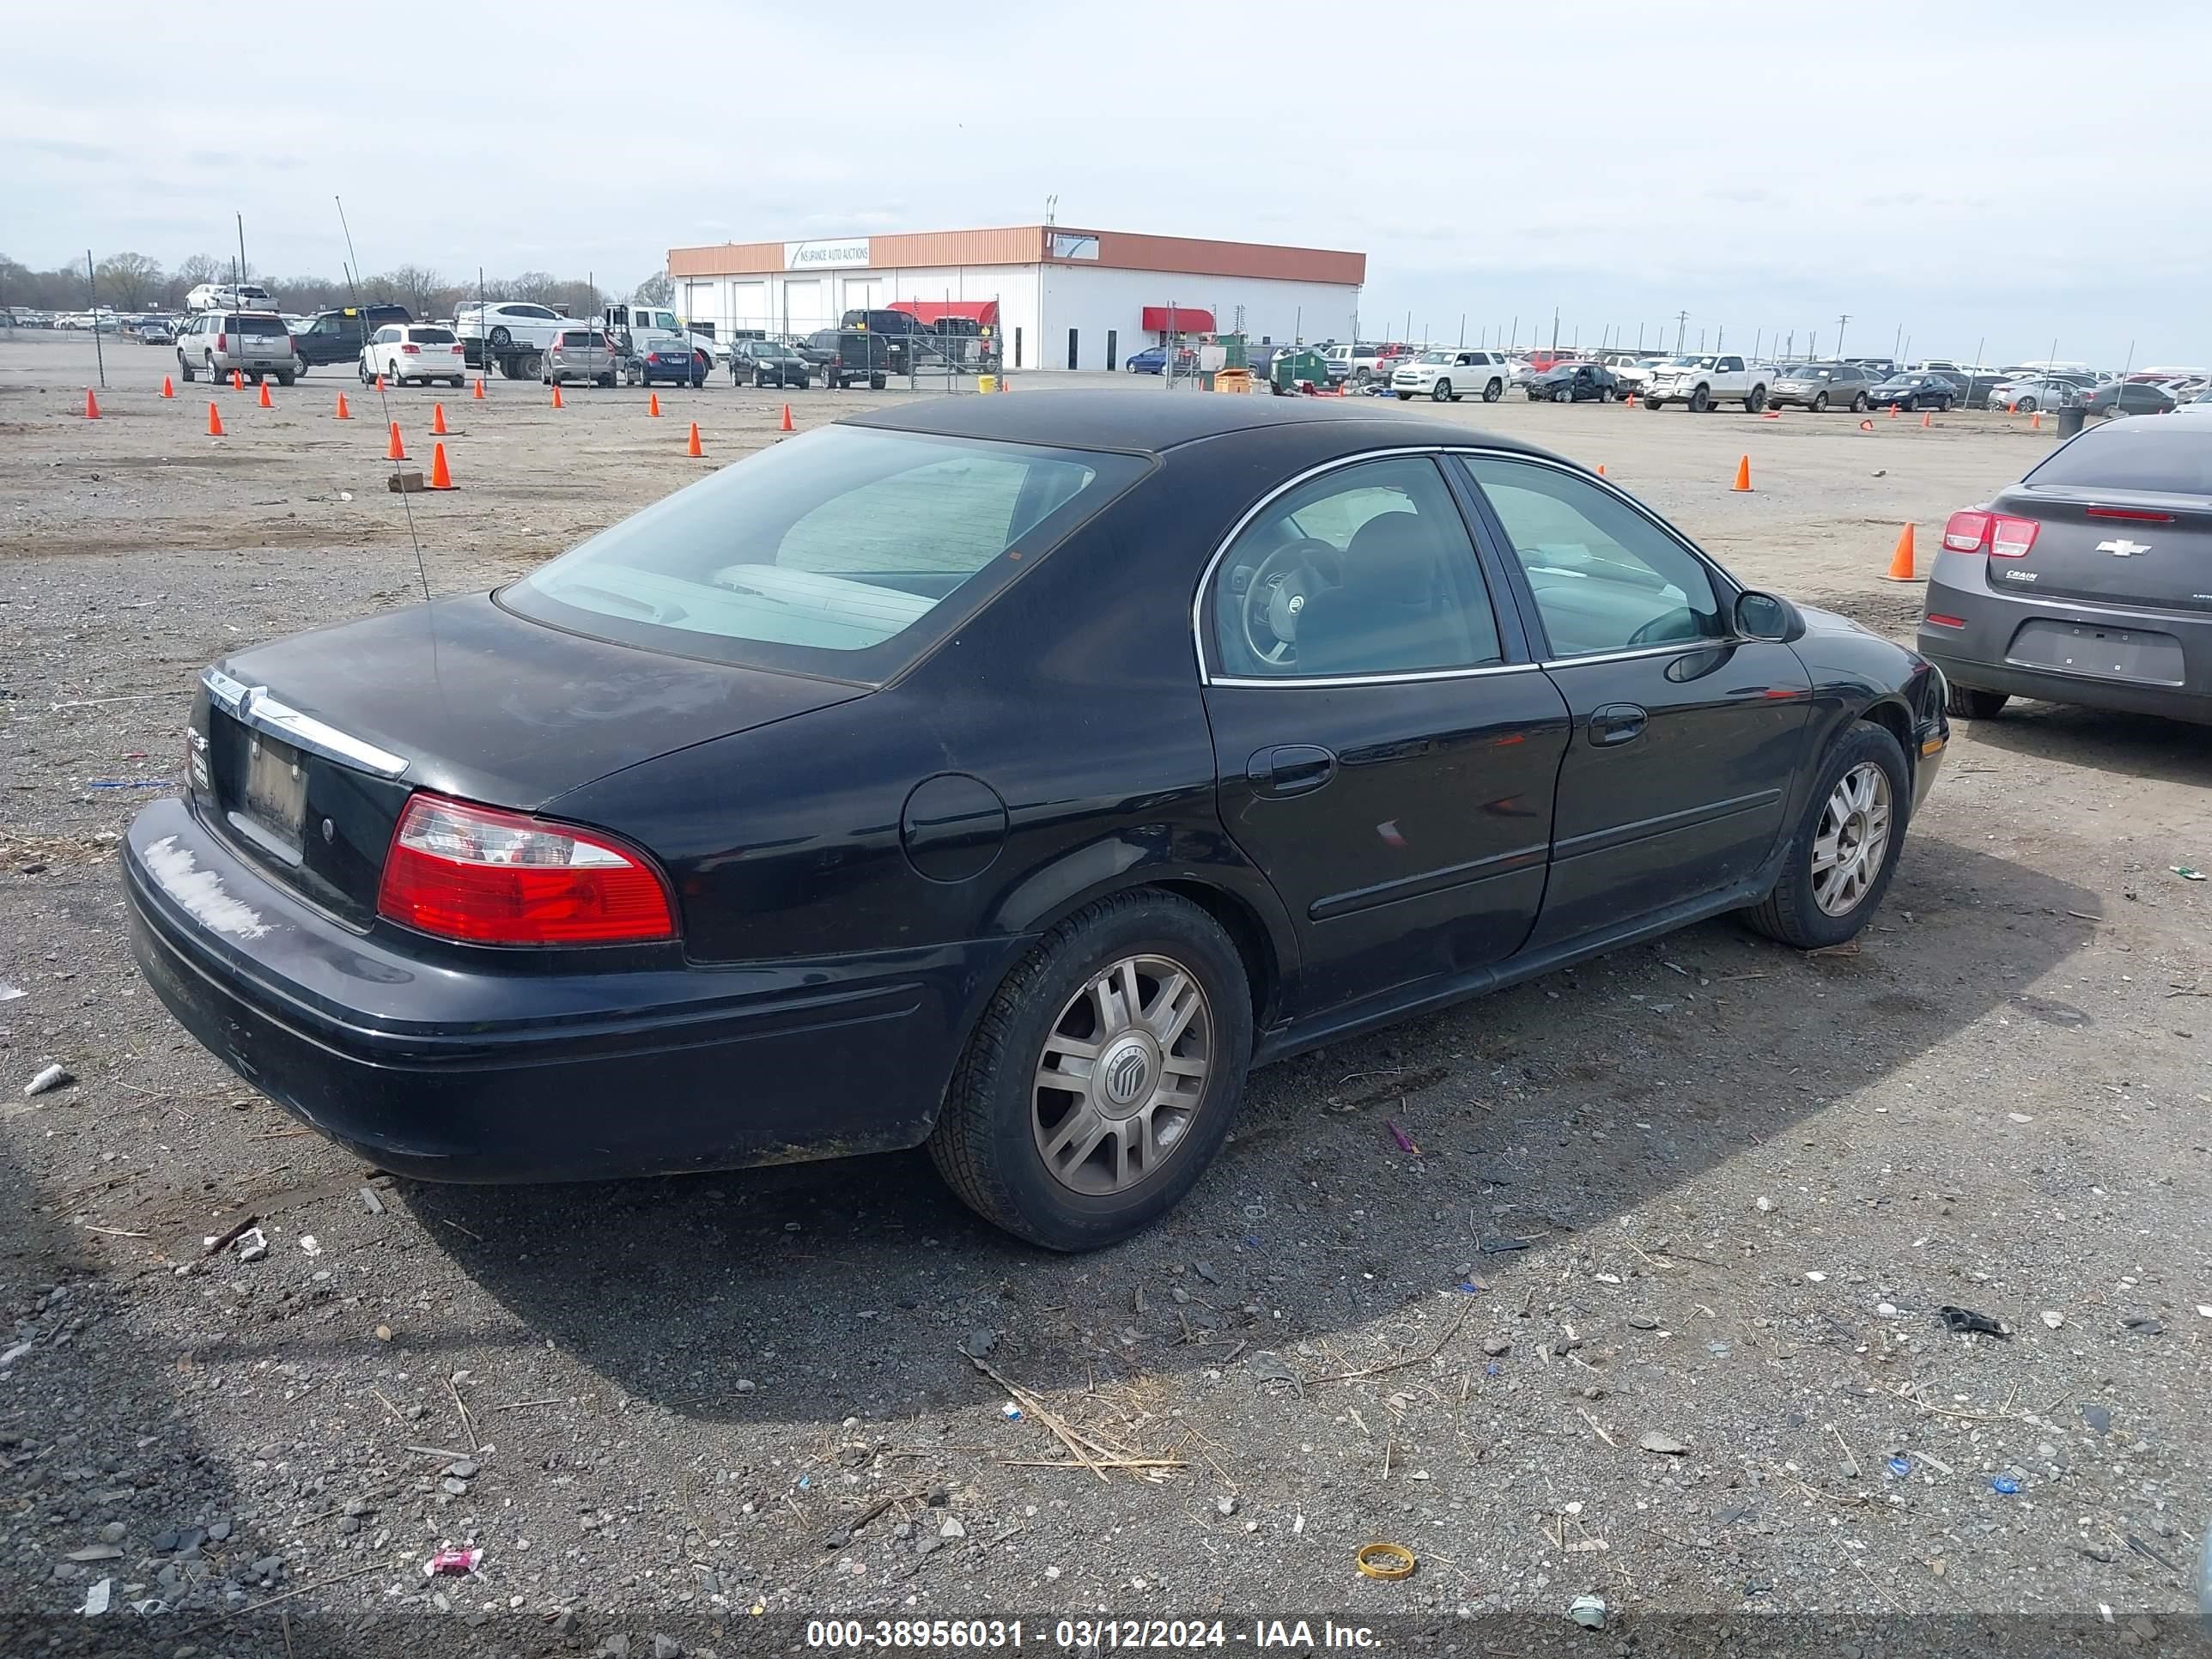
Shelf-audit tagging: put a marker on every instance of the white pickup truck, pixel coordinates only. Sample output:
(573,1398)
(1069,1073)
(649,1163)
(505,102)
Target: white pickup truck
(1701,380)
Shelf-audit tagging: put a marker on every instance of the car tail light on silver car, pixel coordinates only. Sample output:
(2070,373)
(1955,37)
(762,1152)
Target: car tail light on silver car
(486,877)
(1998,534)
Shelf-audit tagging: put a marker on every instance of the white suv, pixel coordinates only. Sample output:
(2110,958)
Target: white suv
(1452,372)
(401,352)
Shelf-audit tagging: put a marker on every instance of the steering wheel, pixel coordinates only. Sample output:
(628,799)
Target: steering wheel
(1289,576)
(1673,619)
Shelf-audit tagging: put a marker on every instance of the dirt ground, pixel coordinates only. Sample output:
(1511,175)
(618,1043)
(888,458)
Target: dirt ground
(1650,1314)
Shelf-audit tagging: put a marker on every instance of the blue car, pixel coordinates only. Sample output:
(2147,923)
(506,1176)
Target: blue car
(1153,359)
(681,364)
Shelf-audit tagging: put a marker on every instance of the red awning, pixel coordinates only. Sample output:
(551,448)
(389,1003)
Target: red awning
(1188,319)
(983,313)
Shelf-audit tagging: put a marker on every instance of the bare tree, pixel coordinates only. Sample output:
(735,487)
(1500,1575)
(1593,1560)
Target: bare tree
(189,274)
(127,279)
(655,290)
(415,287)
(535,286)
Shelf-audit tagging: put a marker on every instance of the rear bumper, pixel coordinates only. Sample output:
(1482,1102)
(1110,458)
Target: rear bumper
(503,1073)
(1983,655)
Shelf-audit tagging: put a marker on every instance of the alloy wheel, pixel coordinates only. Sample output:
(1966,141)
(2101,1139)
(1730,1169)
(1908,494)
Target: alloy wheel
(1852,839)
(1121,1076)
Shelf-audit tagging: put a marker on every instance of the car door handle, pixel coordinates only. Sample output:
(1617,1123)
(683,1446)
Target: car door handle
(1615,722)
(1289,769)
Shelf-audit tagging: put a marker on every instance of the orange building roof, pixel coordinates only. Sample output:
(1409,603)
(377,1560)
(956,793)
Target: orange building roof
(1026,244)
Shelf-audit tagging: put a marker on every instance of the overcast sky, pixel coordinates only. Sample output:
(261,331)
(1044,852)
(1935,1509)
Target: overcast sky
(2015,172)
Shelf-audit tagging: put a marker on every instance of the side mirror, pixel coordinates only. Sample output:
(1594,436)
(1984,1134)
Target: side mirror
(1768,617)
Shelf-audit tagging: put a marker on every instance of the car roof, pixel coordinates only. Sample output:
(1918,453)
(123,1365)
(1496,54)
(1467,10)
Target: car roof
(1148,423)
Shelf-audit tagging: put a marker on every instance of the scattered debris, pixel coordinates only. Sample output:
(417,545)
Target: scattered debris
(1817,1278)
(2004,1485)
(252,1244)
(1381,1560)
(370,1201)
(51,1077)
(96,1552)
(2053,1318)
(2018,1117)
(1898,1467)
(1500,1246)
(96,1598)
(1011,1411)
(980,1342)
(2186,873)
(2097,1417)
(453,1563)
(2145,1324)
(1405,1141)
(310,1244)
(9,993)
(164,783)
(1968,1322)
(1588,1611)
(237,1230)
(1268,1366)
(1664,1445)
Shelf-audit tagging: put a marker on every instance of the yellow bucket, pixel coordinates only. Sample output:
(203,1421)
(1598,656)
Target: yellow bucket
(986,383)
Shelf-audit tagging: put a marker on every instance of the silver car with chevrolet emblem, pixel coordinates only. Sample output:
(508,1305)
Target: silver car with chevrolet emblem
(2089,581)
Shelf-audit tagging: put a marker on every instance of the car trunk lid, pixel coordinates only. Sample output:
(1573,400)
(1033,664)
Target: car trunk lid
(2122,547)
(304,751)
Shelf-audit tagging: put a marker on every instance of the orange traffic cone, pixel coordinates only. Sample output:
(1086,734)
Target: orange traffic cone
(1900,561)
(264,400)
(557,404)
(440,478)
(1631,400)
(215,420)
(1743,475)
(692,449)
(1601,469)
(379,384)
(395,451)
(478,393)
(652,405)
(2035,422)
(1926,419)
(1866,426)
(237,381)
(437,420)
(787,426)
(168,389)
(1772,414)
(342,413)
(1892,411)
(91,405)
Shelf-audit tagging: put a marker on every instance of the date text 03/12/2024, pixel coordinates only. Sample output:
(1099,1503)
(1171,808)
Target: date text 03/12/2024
(1086,1635)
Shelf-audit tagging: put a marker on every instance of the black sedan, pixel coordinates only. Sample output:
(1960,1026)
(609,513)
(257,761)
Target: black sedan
(2128,397)
(1914,390)
(1007,775)
(2085,582)
(766,362)
(1573,383)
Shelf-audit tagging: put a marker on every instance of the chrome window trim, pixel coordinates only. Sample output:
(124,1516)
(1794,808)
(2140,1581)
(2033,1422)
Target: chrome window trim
(254,707)
(1383,679)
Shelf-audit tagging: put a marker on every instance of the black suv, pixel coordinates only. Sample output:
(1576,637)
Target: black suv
(336,336)
(864,355)
(907,339)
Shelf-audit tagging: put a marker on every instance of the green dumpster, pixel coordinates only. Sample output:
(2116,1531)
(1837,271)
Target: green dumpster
(1297,364)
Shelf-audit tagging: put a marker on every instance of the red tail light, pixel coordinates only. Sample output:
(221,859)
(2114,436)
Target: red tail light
(411,350)
(1968,532)
(1947,621)
(222,342)
(2133,515)
(2010,538)
(475,873)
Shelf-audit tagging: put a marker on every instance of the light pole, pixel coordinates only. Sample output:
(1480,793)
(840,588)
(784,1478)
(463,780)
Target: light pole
(1840,321)
(1681,323)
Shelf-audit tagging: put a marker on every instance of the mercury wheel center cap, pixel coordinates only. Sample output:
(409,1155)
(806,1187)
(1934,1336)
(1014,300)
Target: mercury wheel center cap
(1128,1073)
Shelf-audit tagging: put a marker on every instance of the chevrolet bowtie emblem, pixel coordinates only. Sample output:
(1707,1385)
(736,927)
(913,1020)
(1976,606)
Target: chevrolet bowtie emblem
(2123,550)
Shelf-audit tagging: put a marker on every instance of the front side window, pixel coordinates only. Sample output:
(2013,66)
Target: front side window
(842,553)
(1367,570)
(1604,577)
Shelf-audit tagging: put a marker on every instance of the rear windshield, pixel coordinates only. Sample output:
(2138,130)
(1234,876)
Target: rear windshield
(432,336)
(2135,455)
(844,553)
(577,337)
(258,326)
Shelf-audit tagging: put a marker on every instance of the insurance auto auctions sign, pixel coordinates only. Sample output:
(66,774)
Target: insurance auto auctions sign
(814,256)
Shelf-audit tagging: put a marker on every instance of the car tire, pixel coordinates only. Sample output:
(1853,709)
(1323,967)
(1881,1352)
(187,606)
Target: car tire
(875,383)
(986,1144)
(1403,397)
(1971,703)
(1820,404)
(1943,405)
(1906,405)
(500,338)
(285,377)
(1655,403)
(185,368)
(1700,401)
(1797,912)
(1859,405)
(457,382)
(1756,402)
(1440,392)
(2024,406)
(1493,390)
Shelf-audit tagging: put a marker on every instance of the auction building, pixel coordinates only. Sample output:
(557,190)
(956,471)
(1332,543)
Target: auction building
(1056,297)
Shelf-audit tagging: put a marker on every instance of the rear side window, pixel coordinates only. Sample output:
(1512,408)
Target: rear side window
(843,553)
(2135,455)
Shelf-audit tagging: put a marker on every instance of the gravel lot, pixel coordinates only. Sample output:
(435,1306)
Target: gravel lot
(1650,1314)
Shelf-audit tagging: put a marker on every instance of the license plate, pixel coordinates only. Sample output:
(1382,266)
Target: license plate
(274,795)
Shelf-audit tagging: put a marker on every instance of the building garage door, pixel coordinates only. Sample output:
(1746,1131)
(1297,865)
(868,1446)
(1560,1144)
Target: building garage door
(749,307)
(864,294)
(806,308)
